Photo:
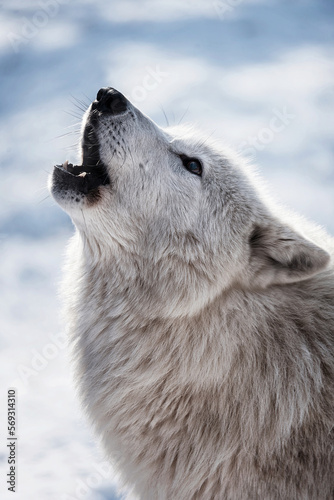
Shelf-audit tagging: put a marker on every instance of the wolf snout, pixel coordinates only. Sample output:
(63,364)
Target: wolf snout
(109,100)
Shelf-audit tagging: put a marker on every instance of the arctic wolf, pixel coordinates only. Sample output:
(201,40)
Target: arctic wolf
(201,317)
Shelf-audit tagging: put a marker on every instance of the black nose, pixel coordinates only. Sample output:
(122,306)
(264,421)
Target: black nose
(109,100)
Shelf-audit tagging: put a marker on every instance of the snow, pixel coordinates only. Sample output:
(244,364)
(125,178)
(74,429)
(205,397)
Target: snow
(232,67)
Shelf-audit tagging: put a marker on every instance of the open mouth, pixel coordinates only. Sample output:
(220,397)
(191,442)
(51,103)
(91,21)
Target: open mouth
(88,176)
(84,178)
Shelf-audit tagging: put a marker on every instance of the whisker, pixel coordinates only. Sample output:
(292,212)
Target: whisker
(66,134)
(83,216)
(74,125)
(88,98)
(200,144)
(41,201)
(61,136)
(162,109)
(70,146)
(80,107)
(47,171)
(78,103)
(74,114)
(184,114)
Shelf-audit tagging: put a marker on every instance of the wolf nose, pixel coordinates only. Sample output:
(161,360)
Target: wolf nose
(109,100)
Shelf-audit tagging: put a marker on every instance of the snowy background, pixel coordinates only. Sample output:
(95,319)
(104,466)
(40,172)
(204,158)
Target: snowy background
(257,74)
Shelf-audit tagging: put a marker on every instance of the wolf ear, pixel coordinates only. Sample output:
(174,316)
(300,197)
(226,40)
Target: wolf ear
(280,255)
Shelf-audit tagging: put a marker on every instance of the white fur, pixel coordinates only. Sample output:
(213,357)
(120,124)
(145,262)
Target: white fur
(201,320)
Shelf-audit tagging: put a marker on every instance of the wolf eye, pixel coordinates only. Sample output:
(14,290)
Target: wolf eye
(193,165)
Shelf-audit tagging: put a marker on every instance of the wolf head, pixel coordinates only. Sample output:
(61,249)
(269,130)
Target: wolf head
(180,210)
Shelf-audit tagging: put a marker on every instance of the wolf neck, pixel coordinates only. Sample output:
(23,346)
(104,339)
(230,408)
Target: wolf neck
(116,307)
(137,357)
(166,288)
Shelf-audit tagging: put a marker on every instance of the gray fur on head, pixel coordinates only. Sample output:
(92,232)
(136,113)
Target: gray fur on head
(201,319)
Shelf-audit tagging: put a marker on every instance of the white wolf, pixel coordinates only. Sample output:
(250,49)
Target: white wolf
(201,318)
